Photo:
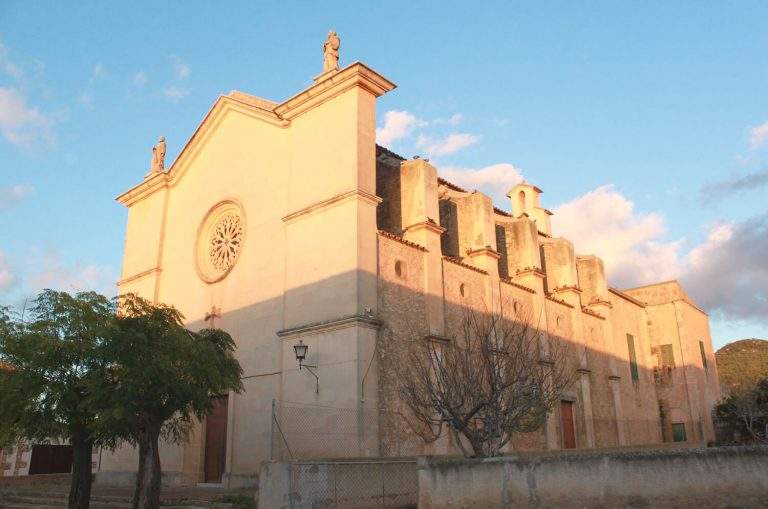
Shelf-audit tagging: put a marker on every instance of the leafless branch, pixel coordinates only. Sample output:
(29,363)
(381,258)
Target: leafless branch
(497,376)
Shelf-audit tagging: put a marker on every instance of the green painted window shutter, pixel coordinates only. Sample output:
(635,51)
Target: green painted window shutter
(703,356)
(678,432)
(632,358)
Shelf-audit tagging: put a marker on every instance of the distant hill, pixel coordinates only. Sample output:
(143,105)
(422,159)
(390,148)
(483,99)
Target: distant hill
(742,362)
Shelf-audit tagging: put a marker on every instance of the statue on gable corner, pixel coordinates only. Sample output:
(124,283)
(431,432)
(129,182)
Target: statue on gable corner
(331,52)
(158,156)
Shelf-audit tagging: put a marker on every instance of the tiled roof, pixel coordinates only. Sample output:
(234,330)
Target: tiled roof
(588,311)
(559,301)
(465,265)
(518,285)
(401,240)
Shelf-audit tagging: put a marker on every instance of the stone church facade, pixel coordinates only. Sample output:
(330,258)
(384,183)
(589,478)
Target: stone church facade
(285,224)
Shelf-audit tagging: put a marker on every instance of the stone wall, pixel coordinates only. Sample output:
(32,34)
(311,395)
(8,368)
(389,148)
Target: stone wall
(716,477)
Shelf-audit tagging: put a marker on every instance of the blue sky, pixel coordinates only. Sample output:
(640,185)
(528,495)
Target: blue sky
(646,123)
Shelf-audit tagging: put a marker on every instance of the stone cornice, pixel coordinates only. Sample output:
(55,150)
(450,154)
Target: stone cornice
(484,251)
(354,193)
(626,297)
(429,225)
(177,168)
(342,323)
(138,276)
(357,74)
(536,271)
(567,289)
(146,188)
(597,301)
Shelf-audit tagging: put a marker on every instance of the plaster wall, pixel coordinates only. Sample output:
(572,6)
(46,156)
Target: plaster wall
(718,477)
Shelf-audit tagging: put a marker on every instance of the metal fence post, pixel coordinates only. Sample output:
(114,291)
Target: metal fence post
(272,433)
(290,486)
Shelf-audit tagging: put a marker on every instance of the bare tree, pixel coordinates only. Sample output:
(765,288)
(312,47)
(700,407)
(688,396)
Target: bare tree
(744,413)
(495,378)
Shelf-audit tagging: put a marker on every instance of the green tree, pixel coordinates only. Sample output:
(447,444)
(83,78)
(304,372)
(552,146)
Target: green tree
(163,377)
(51,388)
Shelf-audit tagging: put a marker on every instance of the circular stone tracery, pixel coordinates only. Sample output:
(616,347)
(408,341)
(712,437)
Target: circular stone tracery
(225,241)
(219,241)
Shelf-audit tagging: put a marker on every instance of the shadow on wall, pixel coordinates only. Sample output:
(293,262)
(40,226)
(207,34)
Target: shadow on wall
(353,343)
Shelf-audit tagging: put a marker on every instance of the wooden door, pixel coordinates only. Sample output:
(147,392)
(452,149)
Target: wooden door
(216,440)
(569,431)
(50,459)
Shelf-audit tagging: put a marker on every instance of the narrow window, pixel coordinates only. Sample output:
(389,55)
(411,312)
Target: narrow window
(678,432)
(667,356)
(703,356)
(632,358)
(521,201)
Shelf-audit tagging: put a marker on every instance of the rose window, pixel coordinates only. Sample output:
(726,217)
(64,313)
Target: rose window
(225,242)
(220,239)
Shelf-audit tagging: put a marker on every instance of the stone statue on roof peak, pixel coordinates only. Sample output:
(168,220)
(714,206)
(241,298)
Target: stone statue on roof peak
(331,52)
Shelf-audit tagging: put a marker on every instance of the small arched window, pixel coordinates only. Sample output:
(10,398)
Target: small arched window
(521,201)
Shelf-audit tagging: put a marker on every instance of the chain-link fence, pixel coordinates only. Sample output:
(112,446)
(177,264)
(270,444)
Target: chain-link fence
(305,431)
(348,484)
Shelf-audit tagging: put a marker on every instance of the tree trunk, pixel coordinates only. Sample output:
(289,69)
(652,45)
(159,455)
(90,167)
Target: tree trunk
(143,448)
(80,488)
(147,494)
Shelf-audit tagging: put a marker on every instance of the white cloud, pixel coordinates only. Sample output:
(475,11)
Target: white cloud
(758,136)
(20,124)
(180,68)
(87,98)
(726,274)
(9,67)
(6,276)
(139,79)
(50,271)
(446,146)
(175,94)
(397,125)
(495,179)
(11,195)
(632,245)
(455,119)
(97,73)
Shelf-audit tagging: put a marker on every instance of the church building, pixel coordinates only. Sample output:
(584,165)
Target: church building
(286,225)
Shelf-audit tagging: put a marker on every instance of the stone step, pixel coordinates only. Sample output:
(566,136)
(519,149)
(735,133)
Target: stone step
(47,497)
(24,505)
(33,492)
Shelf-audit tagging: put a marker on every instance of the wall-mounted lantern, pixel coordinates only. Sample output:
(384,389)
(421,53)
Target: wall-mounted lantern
(301,353)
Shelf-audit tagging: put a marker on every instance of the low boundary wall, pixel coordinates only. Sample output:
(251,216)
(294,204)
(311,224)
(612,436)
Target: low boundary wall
(713,477)
(340,483)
